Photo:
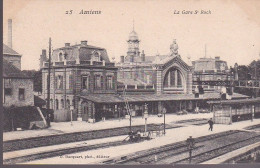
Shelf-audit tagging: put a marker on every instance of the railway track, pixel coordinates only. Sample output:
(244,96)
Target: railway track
(253,127)
(69,150)
(34,142)
(63,151)
(205,156)
(148,156)
(20,144)
(193,121)
(60,152)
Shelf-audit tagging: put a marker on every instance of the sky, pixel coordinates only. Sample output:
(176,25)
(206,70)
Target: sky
(231,31)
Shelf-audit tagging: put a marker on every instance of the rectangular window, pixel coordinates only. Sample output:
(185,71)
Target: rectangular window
(71,82)
(109,82)
(21,94)
(8,91)
(60,82)
(7,82)
(47,80)
(85,82)
(148,79)
(97,82)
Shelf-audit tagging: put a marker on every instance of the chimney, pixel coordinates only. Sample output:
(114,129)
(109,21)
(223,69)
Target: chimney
(43,58)
(67,44)
(85,42)
(143,56)
(217,58)
(10,33)
(122,59)
(44,53)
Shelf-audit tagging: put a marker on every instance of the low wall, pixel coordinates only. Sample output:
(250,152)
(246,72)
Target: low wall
(63,115)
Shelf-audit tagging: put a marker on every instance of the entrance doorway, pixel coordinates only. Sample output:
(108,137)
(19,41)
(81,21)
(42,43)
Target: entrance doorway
(84,111)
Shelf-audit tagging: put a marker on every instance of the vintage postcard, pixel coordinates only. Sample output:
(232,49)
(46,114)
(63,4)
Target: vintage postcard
(117,82)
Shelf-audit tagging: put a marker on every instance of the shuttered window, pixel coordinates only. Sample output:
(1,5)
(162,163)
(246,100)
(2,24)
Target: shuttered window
(85,82)
(97,82)
(70,82)
(109,82)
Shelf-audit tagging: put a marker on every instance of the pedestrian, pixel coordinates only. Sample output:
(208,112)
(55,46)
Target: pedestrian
(210,124)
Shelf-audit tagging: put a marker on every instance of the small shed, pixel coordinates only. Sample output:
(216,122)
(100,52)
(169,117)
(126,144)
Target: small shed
(228,111)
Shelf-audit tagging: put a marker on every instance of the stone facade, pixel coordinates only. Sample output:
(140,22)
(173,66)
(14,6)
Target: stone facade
(78,70)
(12,95)
(17,86)
(165,73)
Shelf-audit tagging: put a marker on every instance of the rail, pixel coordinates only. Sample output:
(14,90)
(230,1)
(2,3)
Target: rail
(162,149)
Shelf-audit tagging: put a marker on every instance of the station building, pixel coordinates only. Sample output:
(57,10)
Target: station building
(158,81)
(75,70)
(83,76)
(211,69)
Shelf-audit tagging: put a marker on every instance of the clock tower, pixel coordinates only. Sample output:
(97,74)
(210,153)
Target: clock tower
(133,46)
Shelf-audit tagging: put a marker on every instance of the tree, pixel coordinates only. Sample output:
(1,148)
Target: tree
(254,69)
(250,72)
(243,72)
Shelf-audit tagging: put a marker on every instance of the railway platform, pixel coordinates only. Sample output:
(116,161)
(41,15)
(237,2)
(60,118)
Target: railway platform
(172,136)
(59,128)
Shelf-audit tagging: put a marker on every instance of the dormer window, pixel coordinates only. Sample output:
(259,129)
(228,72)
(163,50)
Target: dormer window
(60,57)
(95,56)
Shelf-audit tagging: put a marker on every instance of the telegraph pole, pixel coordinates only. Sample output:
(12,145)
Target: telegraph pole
(255,80)
(49,76)
(48,82)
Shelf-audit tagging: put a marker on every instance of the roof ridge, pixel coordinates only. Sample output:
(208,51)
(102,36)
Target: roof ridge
(9,70)
(8,50)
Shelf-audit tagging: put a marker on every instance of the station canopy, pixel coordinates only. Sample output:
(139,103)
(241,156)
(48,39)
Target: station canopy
(116,98)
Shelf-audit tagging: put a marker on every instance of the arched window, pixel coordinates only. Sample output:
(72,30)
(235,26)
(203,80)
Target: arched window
(96,56)
(57,104)
(73,103)
(62,103)
(68,104)
(60,57)
(51,104)
(179,80)
(173,79)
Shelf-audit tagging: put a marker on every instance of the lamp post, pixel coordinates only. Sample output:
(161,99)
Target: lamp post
(71,109)
(116,112)
(145,117)
(190,145)
(255,89)
(130,111)
(164,112)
